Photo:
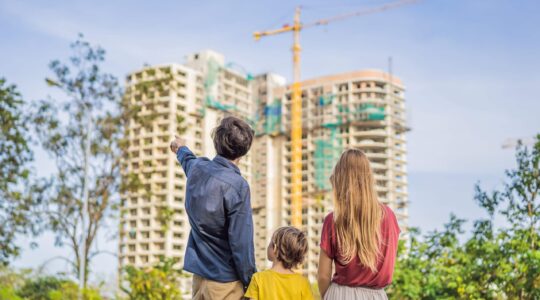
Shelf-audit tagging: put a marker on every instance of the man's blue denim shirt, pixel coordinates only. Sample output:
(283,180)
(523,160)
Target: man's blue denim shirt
(220,245)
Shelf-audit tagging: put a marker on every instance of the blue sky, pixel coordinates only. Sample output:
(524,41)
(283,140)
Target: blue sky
(471,69)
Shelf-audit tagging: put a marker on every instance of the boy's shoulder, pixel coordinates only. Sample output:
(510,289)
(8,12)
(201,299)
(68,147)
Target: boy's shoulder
(269,273)
(263,273)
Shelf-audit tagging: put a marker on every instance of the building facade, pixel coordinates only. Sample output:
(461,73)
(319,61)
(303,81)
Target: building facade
(188,100)
(266,161)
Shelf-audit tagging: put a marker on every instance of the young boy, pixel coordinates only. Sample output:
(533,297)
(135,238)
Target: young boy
(220,251)
(286,251)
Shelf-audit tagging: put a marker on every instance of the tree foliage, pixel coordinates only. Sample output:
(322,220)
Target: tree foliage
(17,193)
(494,262)
(159,282)
(29,285)
(90,110)
(11,281)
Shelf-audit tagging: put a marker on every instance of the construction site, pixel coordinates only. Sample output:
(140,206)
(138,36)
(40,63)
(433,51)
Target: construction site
(364,109)
(301,130)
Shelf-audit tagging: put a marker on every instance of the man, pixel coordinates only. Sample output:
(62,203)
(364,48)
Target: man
(220,251)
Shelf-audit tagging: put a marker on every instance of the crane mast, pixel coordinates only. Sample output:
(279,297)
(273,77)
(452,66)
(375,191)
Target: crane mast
(296,128)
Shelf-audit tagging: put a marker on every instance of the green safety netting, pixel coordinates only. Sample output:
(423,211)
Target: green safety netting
(327,153)
(218,105)
(365,112)
(212,73)
(370,112)
(233,65)
(272,115)
(256,120)
(210,80)
(267,119)
(326,99)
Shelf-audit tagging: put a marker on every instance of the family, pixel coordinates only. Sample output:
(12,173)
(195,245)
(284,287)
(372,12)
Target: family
(358,240)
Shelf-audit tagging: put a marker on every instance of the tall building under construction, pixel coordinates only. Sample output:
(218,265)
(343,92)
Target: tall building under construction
(364,110)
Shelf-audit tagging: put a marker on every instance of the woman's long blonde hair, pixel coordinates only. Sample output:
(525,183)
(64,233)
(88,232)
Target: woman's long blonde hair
(357,210)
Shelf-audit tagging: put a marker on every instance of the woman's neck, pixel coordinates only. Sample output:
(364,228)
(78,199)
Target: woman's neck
(278,267)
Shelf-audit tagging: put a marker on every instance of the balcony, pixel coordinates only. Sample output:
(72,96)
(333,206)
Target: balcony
(371,144)
(402,192)
(370,133)
(376,155)
(378,166)
(380,188)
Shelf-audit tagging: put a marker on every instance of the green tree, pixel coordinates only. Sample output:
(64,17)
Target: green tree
(495,262)
(10,281)
(54,288)
(159,282)
(39,288)
(69,290)
(18,195)
(7,293)
(29,285)
(83,132)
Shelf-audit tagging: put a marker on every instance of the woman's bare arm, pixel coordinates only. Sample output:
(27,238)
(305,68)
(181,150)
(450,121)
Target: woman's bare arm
(325,272)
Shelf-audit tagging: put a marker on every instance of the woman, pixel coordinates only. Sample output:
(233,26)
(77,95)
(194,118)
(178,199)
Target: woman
(360,237)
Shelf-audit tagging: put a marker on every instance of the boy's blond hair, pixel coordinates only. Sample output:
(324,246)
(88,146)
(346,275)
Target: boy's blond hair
(290,246)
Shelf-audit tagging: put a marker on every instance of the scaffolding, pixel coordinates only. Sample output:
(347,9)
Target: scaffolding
(266,119)
(326,99)
(272,118)
(211,100)
(329,149)
(327,152)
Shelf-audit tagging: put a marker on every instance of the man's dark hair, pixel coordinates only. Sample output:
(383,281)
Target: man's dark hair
(232,138)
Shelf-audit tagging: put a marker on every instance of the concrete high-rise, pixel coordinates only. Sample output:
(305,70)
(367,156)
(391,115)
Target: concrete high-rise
(186,99)
(266,163)
(364,110)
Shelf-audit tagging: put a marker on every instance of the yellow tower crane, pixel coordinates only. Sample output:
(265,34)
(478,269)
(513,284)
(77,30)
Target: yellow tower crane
(296,99)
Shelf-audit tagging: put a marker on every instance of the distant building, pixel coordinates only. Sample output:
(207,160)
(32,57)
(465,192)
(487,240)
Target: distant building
(266,163)
(188,100)
(362,109)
